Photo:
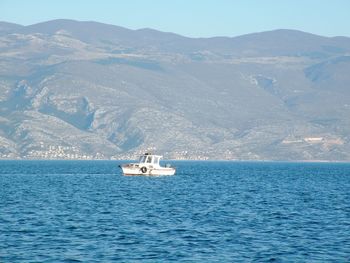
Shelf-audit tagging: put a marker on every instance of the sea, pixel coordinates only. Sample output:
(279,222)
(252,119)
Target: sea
(87,211)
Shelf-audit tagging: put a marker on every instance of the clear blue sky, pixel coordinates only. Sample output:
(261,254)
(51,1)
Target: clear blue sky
(194,18)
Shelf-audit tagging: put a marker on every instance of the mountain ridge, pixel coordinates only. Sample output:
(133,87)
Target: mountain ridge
(64,22)
(109,92)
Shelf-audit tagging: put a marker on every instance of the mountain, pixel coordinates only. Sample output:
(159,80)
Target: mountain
(71,89)
(6,27)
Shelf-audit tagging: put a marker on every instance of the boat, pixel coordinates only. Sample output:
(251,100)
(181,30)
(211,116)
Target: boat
(148,165)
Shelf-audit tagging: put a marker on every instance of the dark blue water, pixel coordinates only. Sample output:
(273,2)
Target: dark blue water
(71,211)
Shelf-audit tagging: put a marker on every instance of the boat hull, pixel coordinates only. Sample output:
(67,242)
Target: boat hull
(149,171)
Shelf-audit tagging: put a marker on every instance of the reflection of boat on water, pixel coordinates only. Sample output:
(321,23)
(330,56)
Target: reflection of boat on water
(148,165)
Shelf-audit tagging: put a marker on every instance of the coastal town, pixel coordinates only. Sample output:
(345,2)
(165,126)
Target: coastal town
(62,152)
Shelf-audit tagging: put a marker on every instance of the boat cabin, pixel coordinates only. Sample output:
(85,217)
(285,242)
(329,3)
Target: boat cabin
(150,159)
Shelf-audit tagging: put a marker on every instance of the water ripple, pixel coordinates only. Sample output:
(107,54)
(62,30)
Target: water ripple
(209,211)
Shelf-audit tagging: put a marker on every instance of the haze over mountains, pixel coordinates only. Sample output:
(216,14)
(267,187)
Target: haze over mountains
(72,89)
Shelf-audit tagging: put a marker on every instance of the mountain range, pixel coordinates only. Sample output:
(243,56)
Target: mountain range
(86,90)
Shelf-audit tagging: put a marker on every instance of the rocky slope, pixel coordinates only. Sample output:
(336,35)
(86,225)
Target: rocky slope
(72,89)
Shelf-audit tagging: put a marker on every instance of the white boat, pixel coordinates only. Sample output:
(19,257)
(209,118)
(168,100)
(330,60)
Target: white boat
(148,165)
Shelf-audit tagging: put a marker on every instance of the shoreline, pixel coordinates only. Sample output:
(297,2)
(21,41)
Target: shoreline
(186,160)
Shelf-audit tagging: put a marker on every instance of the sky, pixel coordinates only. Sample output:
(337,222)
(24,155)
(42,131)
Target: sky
(192,18)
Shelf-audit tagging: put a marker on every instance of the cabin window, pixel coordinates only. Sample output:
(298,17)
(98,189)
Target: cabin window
(149,159)
(142,159)
(156,160)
